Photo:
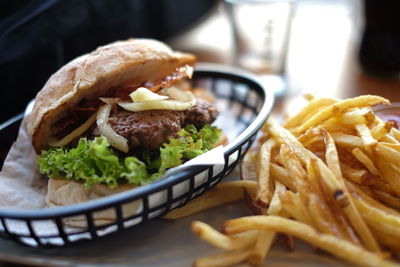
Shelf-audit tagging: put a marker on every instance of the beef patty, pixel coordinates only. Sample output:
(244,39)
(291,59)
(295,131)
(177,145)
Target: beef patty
(151,128)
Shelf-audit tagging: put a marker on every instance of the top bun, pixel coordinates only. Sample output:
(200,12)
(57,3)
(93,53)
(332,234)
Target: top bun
(133,61)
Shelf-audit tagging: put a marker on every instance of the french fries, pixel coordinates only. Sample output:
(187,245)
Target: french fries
(313,106)
(331,177)
(364,159)
(224,259)
(222,193)
(265,186)
(207,233)
(340,107)
(337,246)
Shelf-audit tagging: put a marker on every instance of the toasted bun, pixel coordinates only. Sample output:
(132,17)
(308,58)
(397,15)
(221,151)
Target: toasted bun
(134,61)
(62,192)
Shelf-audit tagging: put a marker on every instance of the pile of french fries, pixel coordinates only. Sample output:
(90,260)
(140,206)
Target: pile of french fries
(330,176)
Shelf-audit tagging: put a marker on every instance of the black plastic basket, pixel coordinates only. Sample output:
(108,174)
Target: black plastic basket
(243,95)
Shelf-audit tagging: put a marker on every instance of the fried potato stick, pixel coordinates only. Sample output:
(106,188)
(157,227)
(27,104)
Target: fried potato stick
(280,174)
(358,176)
(265,238)
(331,155)
(360,194)
(212,236)
(262,247)
(322,214)
(393,146)
(340,107)
(388,241)
(275,207)
(222,193)
(375,217)
(380,130)
(395,133)
(313,106)
(366,161)
(335,186)
(355,116)
(387,198)
(350,210)
(387,158)
(264,181)
(368,141)
(332,244)
(300,151)
(347,140)
(223,259)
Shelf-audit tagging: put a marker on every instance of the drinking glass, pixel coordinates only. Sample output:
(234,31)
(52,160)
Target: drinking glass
(261,30)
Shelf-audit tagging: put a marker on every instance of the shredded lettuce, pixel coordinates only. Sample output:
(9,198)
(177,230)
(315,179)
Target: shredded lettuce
(95,162)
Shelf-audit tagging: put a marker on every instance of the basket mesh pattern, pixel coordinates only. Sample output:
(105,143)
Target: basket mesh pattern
(242,96)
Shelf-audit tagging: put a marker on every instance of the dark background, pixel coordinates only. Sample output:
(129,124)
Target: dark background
(379,53)
(38,37)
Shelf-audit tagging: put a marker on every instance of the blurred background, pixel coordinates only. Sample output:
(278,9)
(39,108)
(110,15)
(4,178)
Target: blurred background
(339,48)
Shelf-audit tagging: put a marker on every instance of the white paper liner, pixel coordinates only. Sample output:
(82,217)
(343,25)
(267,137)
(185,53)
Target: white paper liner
(21,184)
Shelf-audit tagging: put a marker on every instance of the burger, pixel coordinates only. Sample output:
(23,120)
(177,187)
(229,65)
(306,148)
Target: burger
(117,118)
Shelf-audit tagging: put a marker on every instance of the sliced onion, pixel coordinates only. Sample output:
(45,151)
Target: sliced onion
(72,135)
(180,100)
(116,140)
(144,94)
(162,104)
(109,100)
(178,94)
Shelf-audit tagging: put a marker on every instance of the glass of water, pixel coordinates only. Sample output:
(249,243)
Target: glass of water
(261,30)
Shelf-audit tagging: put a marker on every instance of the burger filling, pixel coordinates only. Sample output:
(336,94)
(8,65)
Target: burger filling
(152,128)
(130,141)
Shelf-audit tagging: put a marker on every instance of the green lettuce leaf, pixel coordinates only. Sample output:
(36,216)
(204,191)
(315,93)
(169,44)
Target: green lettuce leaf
(136,171)
(91,161)
(190,143)
(95,162)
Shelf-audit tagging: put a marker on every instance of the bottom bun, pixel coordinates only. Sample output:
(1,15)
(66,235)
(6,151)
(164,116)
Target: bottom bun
(62,192)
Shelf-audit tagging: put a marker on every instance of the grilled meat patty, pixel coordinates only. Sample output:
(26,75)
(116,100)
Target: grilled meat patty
(151,128)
